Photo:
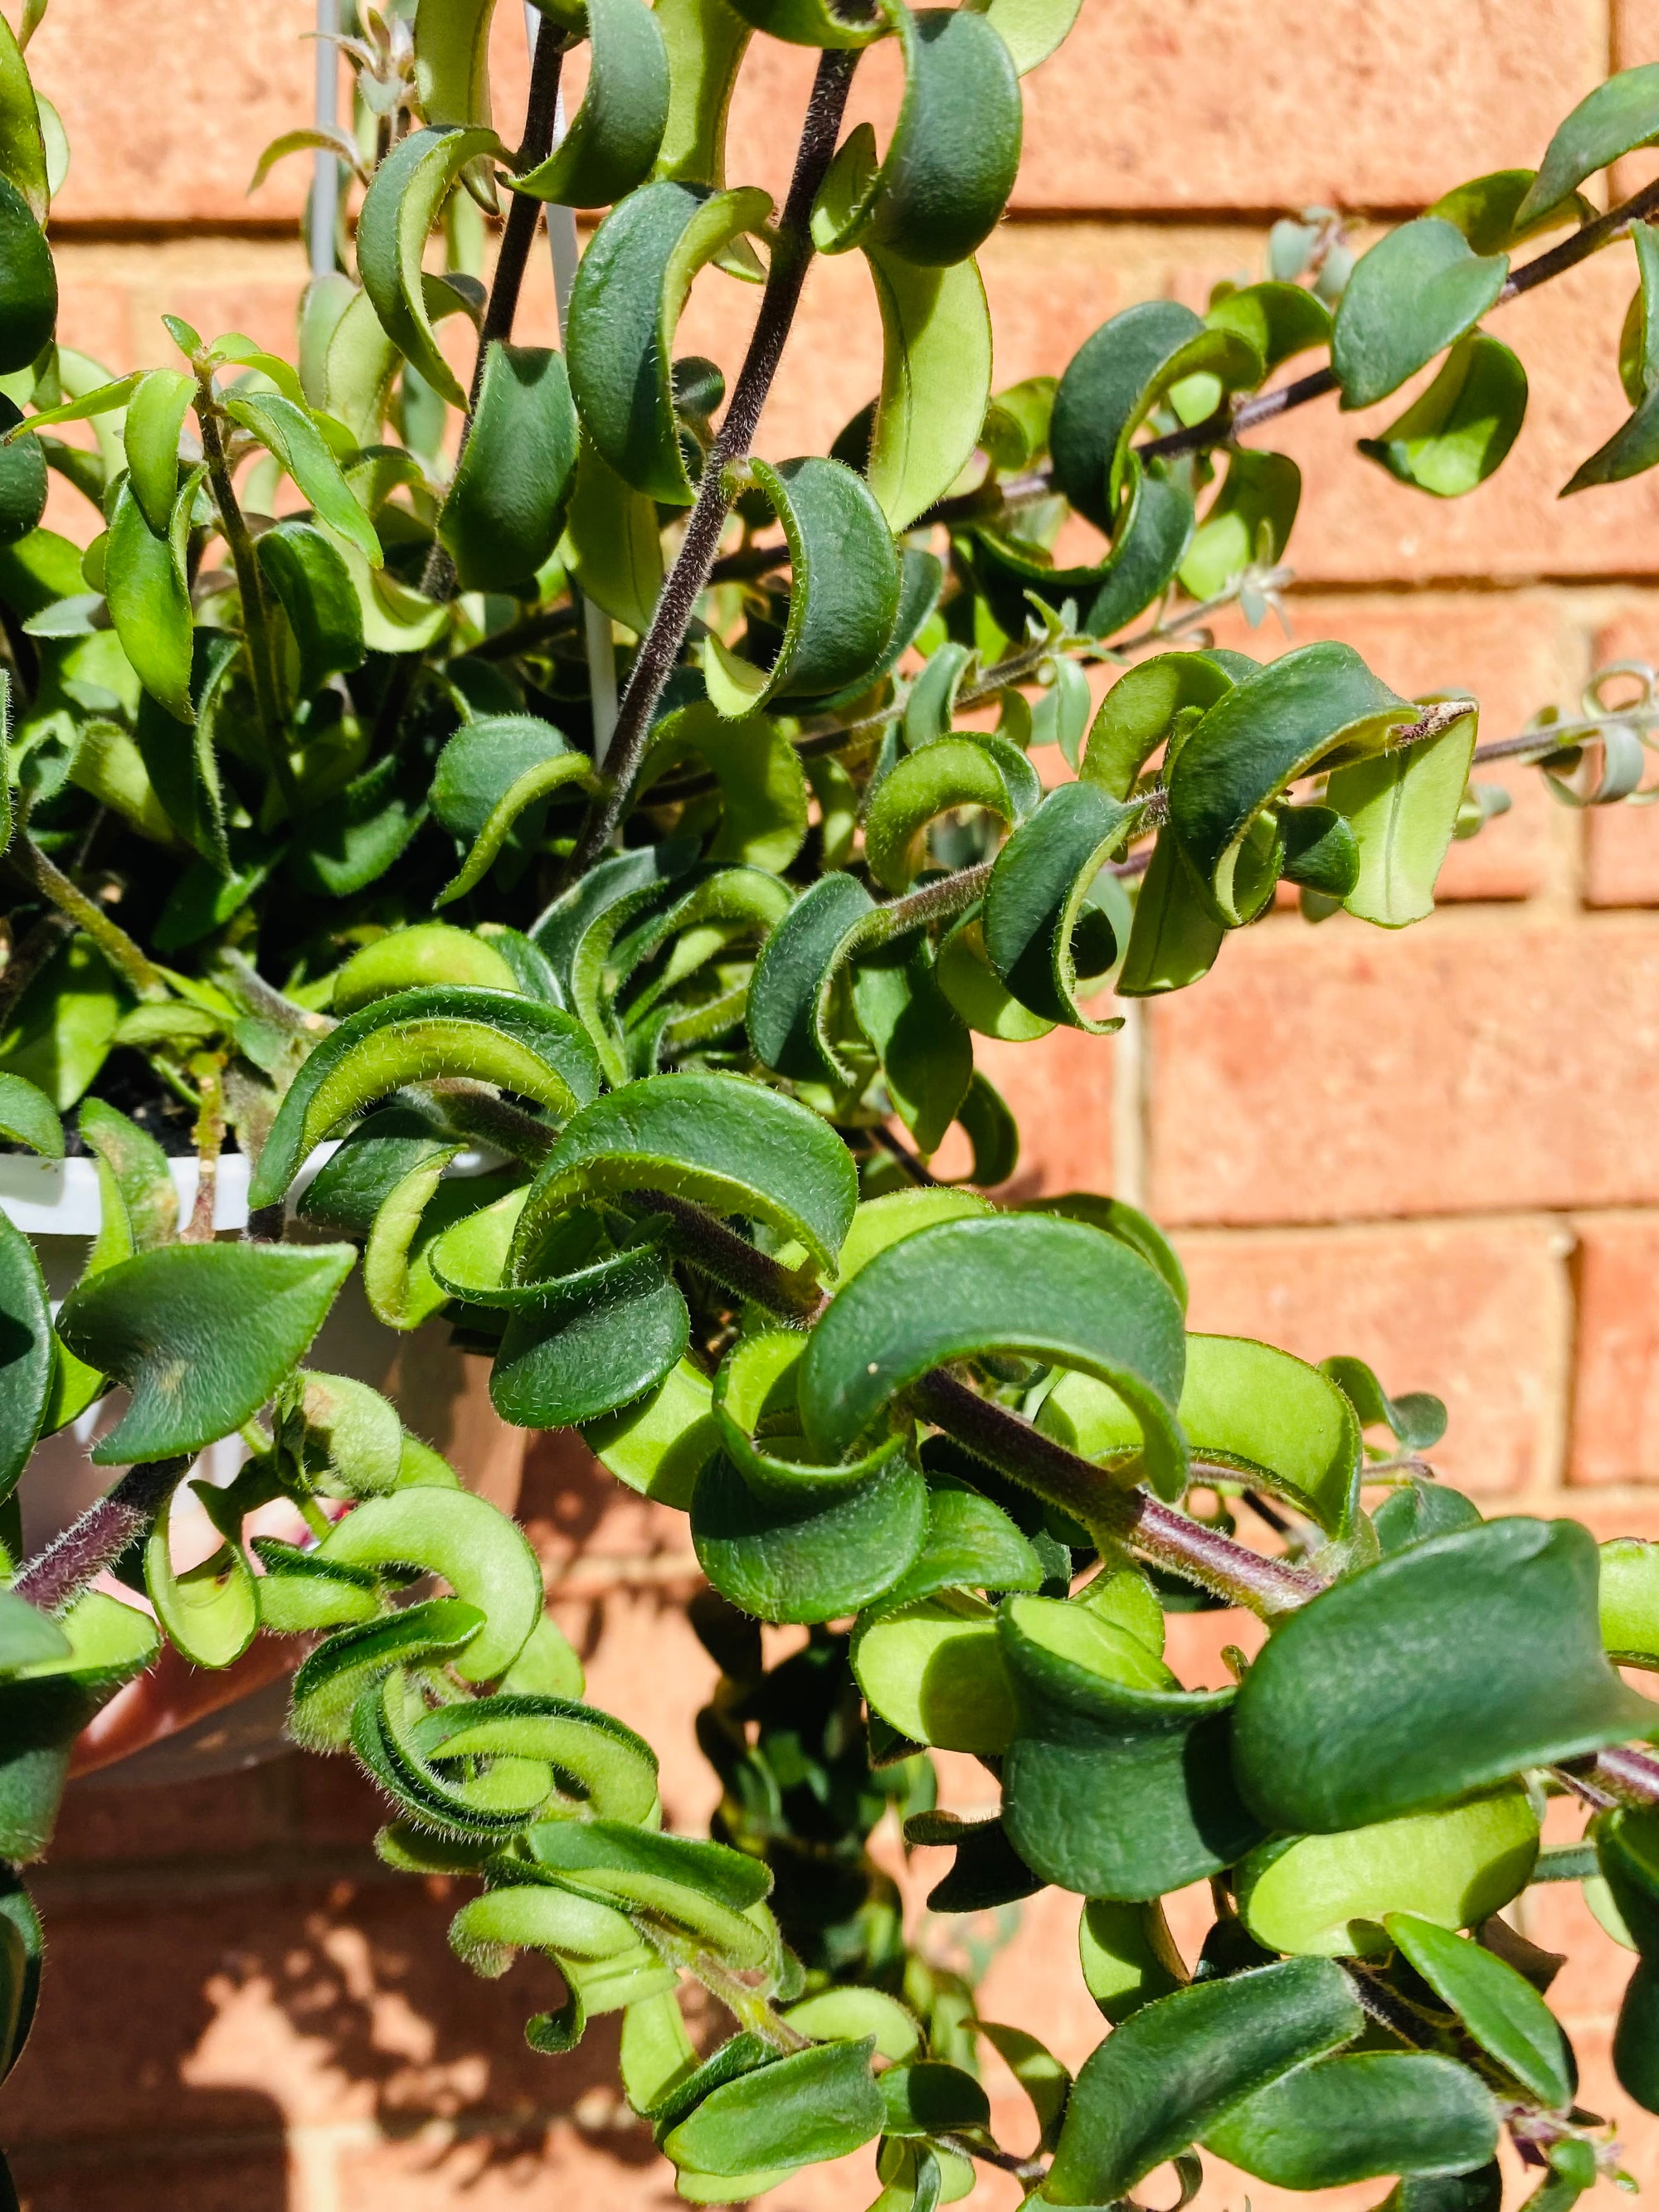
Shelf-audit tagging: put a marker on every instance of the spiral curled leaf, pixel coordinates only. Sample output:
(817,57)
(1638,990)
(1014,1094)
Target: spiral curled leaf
(629,290)
(1116,1782)
(506,505)
(614,137)
(963,1288)
(490,774)
(412,1036)
(398,212)
(844,591)
(1280,1422)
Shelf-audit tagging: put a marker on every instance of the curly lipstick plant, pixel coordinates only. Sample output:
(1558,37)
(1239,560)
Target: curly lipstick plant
(313,683)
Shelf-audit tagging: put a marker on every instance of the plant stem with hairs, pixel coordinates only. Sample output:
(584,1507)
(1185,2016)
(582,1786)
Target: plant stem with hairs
(44,875)
(257,626)
(71,1562)
(792,254)
(1228,423)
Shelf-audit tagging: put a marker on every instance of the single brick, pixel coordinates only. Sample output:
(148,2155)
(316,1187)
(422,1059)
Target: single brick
(166,121)
(1616,1382)
(1477,1312)
(1469,1063)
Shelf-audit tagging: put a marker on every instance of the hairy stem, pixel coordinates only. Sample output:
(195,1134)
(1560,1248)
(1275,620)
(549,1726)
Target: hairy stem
(43,876)
(1154,1532)
(250,589)
(29,957)
(792,254)
(1228,423)
(523,216)
(729,1259)
(210,1138)
(74,1558)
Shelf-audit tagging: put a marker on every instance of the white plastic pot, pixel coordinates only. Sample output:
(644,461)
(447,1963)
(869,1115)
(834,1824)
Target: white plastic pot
(442,1396)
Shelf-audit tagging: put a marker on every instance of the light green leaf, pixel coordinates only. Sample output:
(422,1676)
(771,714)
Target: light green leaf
(1249,520)
(155,414)
(1331,1893)
(210,1612)
(290,433)
(479,1551)
(1128,1956)
(1402,807)
(705,41)
(1458,433)
(451,60)
(762,789)
(28,1117)
(935,381)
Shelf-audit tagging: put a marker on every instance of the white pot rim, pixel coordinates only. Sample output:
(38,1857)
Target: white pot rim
(60,1198)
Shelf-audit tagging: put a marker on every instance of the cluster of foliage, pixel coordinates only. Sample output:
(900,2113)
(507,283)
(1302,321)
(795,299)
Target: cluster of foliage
(315,681)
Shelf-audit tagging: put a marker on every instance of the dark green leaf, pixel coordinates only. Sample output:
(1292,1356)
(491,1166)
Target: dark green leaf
(1347,2119)
(1500,2008)
(613,137)
(201,1334)
(1178,2067)
(507,501)
(967,1287)
(1415,293)
(1454,1663)
(1616,118)
(1117,1782)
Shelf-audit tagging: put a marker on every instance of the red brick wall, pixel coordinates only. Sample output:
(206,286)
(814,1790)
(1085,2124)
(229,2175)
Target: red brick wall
(1435,1150)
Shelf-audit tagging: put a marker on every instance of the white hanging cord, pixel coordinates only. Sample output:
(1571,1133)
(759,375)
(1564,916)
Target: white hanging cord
(595,623)
(325,178)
